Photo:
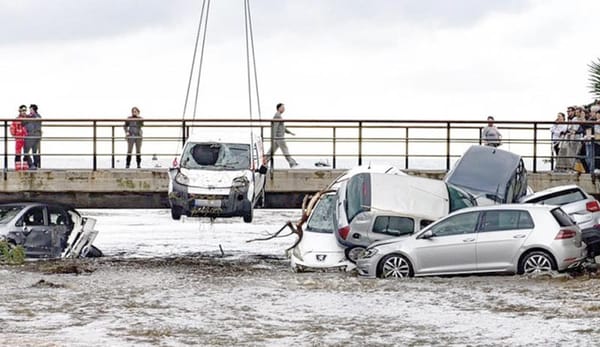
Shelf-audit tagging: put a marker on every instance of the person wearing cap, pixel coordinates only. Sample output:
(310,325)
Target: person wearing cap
(490,135)
(278,131)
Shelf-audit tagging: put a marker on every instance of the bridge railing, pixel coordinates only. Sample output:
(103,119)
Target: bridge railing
(411,144)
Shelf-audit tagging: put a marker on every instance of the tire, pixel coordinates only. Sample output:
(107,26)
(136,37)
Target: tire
(535,262)
(94,252)
(353,252)
(394,266)
(249,216)
(176,212)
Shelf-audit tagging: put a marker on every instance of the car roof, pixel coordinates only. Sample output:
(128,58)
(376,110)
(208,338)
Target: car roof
(244,135)
(484,169)
(508,207)
(551,191)
(376,168)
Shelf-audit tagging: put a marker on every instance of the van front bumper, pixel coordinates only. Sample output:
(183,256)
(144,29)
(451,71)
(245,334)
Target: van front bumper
(194,203)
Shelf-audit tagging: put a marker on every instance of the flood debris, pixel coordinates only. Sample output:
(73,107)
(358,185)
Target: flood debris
(47,284)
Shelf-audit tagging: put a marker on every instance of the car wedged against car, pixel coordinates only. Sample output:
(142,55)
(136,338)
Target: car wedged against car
(48,230)
(492,175)
(490,239)
(381,206)
(219,175)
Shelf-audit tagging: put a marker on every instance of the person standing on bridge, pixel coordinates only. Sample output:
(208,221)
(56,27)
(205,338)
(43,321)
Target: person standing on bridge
(19,132)
(133,133)
(278,131)
(33,138)
(490,135)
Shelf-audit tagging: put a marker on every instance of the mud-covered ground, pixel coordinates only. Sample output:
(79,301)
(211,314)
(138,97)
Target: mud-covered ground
(167,283)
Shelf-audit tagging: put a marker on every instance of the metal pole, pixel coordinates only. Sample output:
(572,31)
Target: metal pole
(406,148)
(95,159)
(593,156)
(359,143)
(448,146)
(112,139)
(183,137)
(334,147)
(535,146)
(6,150)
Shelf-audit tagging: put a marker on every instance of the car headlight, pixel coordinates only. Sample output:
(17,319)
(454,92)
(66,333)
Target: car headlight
(240,182)
(182,179)
(369,253)
(296,253)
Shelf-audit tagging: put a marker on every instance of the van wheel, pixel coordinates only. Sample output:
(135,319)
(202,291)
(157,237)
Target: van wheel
(352,253)
(394,266)
(248,216)
(535,262)
(176,212)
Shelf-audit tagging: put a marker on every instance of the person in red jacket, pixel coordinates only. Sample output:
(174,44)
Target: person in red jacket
(18,131)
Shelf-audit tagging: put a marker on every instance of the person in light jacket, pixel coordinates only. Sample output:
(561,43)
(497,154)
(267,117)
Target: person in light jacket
(133,133)
(558,131)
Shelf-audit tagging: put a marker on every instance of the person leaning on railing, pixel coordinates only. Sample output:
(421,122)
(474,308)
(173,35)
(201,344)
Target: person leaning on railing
(133,133)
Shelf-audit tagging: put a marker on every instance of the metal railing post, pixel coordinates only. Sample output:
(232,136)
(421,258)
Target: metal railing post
(593,156)
(448,146)
(334,147)
(112,151)
(535,146)
(6,150)
(360,139)
(95,159)
(406,142)
(183,137)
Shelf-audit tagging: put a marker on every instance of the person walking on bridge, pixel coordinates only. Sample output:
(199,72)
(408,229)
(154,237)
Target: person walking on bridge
(33,138)
(133,133)
(278,131)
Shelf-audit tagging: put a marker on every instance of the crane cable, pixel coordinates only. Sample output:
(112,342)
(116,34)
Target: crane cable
(251,56)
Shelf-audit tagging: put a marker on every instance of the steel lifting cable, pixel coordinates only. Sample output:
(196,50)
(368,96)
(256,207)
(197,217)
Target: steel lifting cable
(254,60)
(201,58)
(189,86)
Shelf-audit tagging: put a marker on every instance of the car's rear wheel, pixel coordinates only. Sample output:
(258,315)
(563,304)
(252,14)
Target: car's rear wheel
(536,262)
(176,212)
(395,266)
(353,253)
(248,216)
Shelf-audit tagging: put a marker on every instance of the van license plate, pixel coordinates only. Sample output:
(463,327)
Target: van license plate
(209,203)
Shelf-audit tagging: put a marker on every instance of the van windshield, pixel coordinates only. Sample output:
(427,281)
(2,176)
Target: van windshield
(216,156)
(322,219)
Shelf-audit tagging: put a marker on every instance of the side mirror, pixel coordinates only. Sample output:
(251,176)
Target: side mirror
(262,170)
(427,235)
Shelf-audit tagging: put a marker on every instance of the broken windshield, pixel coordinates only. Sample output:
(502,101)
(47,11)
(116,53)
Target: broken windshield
(7,213)
(216,156)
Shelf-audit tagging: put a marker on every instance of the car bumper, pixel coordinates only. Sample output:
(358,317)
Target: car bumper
(335,262)
(203,204)
(568,257)
(367,267)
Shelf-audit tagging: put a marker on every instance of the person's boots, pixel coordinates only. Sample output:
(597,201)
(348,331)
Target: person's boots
(138,159)
(127,161)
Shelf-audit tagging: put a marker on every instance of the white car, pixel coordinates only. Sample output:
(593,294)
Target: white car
(318,248)
(218,175)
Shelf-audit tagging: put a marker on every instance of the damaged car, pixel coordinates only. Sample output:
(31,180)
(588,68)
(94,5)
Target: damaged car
(48,230)
(218,176)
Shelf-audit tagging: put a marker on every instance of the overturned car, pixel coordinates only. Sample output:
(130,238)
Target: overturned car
(48,230)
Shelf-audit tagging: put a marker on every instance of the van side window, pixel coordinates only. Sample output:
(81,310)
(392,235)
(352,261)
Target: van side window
(394,225)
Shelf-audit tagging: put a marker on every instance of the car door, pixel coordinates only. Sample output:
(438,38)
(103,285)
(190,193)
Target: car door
(60,225)
(36,235)
(500,236)
(451,249)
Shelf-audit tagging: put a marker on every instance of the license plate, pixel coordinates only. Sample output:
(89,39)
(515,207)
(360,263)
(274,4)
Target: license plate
(208,203)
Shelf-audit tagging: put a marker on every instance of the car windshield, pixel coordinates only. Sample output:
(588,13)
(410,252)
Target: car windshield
(459,199)
(322,217)
(216,156)
(7,213)
(559,198)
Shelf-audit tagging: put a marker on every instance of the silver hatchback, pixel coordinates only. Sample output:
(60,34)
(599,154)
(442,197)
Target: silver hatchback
(500,238)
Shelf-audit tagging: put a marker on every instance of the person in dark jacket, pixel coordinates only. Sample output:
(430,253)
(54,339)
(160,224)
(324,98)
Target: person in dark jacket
(33,125)
(133,133)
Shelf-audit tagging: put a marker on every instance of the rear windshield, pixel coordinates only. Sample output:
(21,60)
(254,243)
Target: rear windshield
(358,195)
(216,156)
(322,219)
(560,198)
(562,218)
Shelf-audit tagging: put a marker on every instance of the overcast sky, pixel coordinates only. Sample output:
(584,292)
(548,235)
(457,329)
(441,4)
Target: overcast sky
(403,59)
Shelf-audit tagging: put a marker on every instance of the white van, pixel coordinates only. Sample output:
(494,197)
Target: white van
(218,175)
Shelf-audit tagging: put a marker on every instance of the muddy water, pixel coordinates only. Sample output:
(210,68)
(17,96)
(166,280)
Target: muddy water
(189,294)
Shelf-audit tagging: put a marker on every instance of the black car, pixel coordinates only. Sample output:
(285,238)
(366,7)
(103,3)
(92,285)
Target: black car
(47,230)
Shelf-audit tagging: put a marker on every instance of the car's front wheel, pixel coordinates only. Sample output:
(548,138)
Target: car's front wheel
(395,266)
(353,253)
(535,262)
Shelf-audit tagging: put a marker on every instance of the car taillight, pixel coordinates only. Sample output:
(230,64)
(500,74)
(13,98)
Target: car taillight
(592,206)
(565,234)
(344,231)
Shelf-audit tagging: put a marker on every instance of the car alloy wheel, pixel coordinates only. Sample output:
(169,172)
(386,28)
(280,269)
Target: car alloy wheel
(537,262)
(395,266)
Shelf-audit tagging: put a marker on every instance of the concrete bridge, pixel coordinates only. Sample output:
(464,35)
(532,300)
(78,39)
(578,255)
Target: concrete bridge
(147,188)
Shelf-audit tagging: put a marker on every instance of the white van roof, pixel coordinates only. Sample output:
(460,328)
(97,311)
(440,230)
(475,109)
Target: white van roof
(410,195)
(235,135)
